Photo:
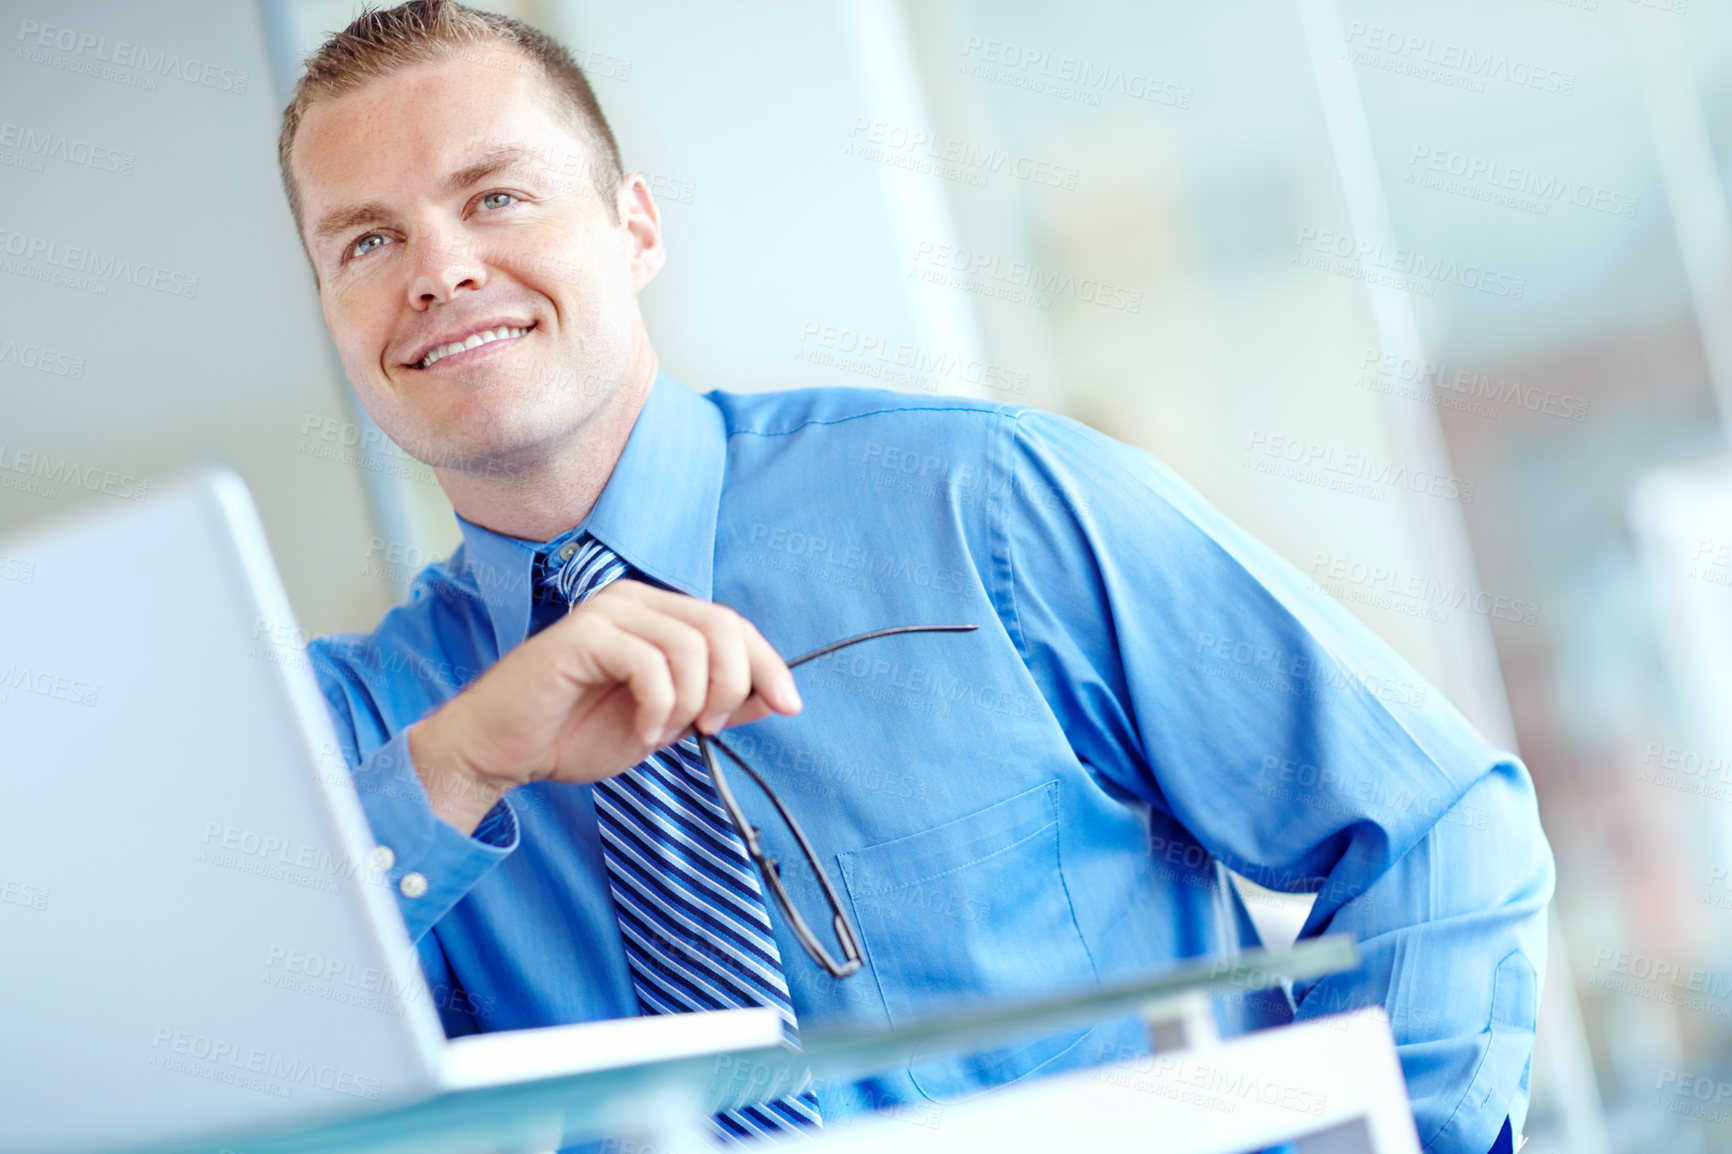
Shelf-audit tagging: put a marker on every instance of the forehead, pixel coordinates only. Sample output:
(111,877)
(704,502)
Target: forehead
(398,133)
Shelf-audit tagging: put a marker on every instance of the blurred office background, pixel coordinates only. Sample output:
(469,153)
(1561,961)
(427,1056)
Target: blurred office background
(1434,297)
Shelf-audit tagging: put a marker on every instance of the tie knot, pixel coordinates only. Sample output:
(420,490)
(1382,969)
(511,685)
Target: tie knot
(575,571)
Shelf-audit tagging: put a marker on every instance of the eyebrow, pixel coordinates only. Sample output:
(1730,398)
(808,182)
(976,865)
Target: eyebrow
(341,220)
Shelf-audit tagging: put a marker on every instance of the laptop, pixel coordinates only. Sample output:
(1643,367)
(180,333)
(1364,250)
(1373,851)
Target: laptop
(194,941)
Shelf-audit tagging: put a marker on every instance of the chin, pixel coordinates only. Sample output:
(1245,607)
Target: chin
(484,443)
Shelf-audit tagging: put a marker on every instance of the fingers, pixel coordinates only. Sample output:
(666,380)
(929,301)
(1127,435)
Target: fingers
(622,656)
(754,708)
(743,666)
(715,668)
(771,678)
(685,651)
(730,668)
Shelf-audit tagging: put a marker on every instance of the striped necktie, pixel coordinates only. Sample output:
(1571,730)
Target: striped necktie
(691,910)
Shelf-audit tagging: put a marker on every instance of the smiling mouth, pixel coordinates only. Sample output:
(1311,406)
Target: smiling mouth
(474,341)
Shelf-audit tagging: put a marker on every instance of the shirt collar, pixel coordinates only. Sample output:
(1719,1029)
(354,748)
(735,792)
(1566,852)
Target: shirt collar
(657,511)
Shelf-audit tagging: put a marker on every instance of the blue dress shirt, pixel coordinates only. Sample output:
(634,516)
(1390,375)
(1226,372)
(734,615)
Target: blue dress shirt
(1036,806)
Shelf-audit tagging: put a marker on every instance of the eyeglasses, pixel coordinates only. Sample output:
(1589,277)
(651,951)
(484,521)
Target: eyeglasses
(767,865)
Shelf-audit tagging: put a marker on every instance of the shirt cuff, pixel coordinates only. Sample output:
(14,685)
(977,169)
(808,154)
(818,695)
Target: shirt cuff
(428,863)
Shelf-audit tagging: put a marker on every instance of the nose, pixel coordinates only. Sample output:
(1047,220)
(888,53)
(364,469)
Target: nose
(443,266)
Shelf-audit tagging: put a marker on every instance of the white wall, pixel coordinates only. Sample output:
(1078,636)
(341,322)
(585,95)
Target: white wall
(234,370)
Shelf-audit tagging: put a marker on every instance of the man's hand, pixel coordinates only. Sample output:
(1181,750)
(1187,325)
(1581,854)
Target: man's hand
(628,672)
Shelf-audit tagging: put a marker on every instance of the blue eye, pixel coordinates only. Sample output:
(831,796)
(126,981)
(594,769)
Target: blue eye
(491,195)
(362,248)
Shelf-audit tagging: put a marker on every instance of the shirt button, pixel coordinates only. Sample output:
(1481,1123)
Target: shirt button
(413,884)
(381,859)
(566,550)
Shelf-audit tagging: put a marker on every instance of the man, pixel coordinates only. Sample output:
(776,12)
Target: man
(1040,804)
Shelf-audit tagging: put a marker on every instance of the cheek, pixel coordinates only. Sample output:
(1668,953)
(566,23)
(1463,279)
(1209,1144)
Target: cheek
(606,290)
(355,330)
(589,270)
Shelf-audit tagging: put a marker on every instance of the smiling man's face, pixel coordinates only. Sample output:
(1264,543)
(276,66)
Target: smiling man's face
(450,201)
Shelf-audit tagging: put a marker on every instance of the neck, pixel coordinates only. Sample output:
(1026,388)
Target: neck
(540,499)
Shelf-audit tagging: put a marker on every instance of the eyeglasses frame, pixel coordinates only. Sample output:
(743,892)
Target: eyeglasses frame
(767,865)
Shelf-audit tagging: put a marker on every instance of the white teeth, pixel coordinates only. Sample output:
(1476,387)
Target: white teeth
(499,334)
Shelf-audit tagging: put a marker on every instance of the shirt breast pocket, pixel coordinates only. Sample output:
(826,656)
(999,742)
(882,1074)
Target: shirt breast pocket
(973,912)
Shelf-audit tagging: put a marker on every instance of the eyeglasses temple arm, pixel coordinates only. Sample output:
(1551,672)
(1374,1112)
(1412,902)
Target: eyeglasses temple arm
(794,826)
(766,864)
(876,633)
(838,919)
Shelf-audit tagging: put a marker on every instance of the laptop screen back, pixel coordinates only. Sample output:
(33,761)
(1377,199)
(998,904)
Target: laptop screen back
(193,942)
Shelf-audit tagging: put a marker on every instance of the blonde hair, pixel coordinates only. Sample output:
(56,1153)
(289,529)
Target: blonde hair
(379,42)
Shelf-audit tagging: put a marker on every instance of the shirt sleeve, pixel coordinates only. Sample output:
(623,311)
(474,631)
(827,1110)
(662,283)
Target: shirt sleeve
(1197,670)
(433,863)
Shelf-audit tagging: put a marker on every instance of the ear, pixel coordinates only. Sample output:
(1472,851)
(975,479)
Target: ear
(642,221)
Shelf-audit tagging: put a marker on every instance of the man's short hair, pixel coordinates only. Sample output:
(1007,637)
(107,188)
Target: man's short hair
(379,42)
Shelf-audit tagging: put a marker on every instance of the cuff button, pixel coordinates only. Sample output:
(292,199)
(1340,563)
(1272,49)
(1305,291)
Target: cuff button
(413,884)
(381,859)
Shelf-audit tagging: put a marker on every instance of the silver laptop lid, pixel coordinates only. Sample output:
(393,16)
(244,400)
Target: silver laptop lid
(192,940)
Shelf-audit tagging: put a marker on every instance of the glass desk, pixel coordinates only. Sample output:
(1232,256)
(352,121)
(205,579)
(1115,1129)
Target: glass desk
(641,1099)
